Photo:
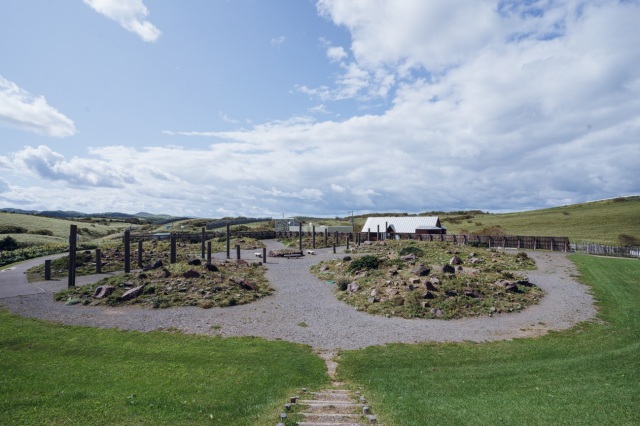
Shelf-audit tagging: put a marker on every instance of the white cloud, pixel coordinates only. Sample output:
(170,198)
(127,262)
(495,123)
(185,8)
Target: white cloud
(21,110)
(277,41)
(336,53)
(130,14)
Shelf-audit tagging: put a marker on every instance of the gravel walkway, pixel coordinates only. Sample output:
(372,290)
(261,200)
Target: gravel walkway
(303,309)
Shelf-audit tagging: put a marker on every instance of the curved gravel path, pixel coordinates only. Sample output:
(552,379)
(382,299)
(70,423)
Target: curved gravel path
(303,309)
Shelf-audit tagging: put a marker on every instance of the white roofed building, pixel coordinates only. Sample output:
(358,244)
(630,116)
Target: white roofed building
(390,226)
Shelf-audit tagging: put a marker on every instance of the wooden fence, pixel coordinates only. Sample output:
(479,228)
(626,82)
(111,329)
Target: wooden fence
(603,250)
(497,241)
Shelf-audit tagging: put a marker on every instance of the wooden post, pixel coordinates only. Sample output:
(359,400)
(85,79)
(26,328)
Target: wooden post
(238,251)
(127,251)
(378,234)
(202,238)
(47,269)
(326,237)
(334,246)
(348,238)
(228,243)
(98,261)
(264,255)
(208,251)
(335,238)
(300,236)
(173,248)
(386,229)
(140,254)
(313,237)
(73,236)
(368,234)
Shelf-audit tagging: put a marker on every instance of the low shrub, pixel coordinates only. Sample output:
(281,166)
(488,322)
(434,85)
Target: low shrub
(411,250)
(364,262)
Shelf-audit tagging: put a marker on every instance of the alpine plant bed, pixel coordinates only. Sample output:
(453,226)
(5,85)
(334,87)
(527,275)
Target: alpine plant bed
(431,280)
(190,283)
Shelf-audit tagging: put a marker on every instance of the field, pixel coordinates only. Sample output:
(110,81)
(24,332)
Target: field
(59,375)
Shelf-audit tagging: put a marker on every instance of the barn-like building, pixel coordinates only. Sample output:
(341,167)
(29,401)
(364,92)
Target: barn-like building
(394,226)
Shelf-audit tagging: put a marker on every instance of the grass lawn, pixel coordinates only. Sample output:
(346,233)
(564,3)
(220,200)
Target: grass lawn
(62,375)
(587,375)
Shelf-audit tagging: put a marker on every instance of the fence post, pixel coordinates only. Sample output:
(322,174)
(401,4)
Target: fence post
(202,238)
(348,242)
(228,243)
(208,251)
(264,255)
(368,234)
(47,269)
(98,261)
(326,237)
(139,253)
(73,236)
(127,251)
(238,251)
(313,237)
(300,236)
(173,248)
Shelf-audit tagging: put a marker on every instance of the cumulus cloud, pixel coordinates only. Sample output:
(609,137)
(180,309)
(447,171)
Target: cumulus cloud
(130,14)
(21,110)
(336,53)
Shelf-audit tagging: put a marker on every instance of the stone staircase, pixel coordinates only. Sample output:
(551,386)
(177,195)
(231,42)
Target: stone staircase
(329,407)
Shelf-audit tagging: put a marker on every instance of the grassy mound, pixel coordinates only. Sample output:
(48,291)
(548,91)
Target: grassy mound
(431,280)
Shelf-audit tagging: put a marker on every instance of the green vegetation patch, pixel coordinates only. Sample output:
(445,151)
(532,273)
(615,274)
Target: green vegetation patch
(586,375)
(414,279)
(180,284)
(55,375)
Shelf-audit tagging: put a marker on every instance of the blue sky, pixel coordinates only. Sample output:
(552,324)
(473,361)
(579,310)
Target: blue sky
(270,107)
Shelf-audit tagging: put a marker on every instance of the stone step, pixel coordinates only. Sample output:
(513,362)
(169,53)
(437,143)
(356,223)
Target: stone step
(345,408)
(331,417)
(330,424)
(332,396)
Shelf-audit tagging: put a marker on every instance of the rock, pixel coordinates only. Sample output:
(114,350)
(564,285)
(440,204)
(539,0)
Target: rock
(421,271)
(428,295)
(361,274)
(166,273)
(194,261)
(353,287)
(524,281)
(448,269)
(502,283)
(132,293)
(411,287)
(191,274)
(414,280)
(372,300)
(475,260)
(425,304)
(455,260)
(247,285)
(154,265)
(429,284)
(437,312)
(472,254)
(451,293)
(471,293)
(459,268)
(103,291)
(211,267)
(409,257)
(512,287)
(346,259)
(374,293)
(366,243)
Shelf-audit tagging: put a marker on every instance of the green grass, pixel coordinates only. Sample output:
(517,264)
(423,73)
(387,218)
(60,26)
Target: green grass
(89,230)
(599,222)
(62,375)
(587,375)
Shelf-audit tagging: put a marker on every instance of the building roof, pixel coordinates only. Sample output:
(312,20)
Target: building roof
(402,224)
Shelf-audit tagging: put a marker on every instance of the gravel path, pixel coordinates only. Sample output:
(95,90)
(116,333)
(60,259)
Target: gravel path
(304,310)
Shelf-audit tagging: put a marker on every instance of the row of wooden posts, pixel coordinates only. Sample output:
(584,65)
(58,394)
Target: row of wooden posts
(561,243)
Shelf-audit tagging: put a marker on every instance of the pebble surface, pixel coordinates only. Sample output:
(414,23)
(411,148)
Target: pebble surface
(303,309)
